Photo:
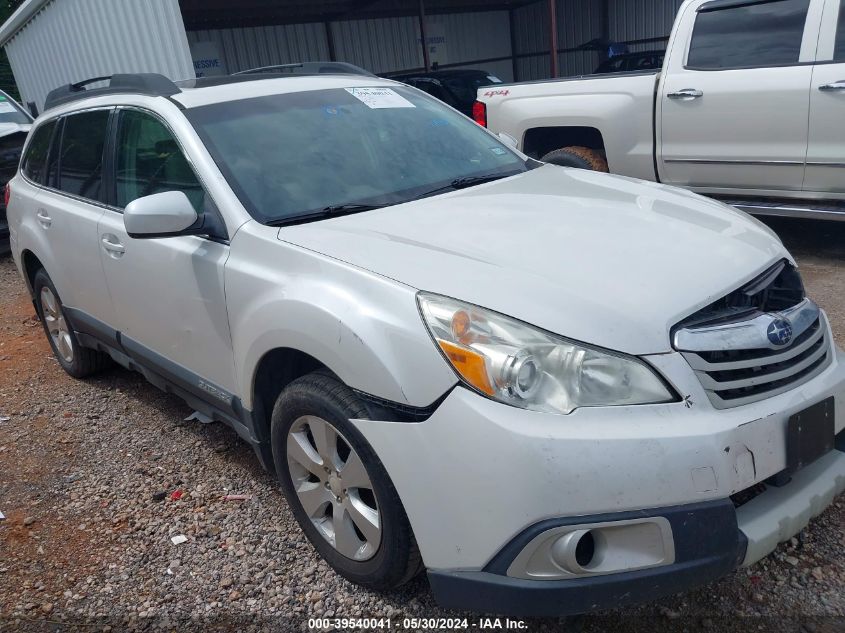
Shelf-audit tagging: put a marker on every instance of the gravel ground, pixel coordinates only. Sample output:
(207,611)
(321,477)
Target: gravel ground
(88,472)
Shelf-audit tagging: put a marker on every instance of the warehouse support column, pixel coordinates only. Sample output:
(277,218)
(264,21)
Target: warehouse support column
(423,38)
(605,31)
(553,38)
(330,41)
(511,24)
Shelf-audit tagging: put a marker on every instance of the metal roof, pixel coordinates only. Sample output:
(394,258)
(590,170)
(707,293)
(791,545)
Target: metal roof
(19,19)
(205,14)
(209,14)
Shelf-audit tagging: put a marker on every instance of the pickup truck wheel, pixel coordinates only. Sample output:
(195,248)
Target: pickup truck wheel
(578,157)
(336,486)
(76,360)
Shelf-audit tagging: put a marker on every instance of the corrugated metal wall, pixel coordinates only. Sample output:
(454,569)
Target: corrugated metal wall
(72,41)
(641,19)
(578,22)
(478,36)
(379,45)
(244,48)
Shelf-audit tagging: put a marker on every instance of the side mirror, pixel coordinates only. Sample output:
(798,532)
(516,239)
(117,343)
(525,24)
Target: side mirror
(164,214)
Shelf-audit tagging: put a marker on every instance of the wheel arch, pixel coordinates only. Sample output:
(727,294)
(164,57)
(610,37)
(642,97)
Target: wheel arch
(30,264)
(276,369)
(539,141)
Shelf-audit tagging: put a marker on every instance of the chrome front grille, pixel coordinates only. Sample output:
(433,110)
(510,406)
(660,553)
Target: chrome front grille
(737,363)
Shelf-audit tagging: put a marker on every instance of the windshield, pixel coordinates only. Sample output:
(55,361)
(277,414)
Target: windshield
(10,112)
(290,155)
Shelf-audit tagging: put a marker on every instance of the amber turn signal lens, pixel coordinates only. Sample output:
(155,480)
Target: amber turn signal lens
(469,364)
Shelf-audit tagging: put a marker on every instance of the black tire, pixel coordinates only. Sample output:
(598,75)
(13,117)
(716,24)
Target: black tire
(85,361)
(578,157)
(397,559)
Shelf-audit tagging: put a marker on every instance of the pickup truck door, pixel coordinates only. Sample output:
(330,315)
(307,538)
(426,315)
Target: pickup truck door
(826,149)
(734,97)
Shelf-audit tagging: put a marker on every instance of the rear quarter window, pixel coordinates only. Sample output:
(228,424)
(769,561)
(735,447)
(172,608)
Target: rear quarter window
(35,160)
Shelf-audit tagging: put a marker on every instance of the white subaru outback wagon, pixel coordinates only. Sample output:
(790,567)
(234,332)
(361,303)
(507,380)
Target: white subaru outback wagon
(554,390)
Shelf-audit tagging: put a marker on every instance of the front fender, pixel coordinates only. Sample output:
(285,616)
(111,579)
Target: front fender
(363,327)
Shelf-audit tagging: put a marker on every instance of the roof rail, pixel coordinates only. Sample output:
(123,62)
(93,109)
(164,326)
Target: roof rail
(150,84)
(310,68)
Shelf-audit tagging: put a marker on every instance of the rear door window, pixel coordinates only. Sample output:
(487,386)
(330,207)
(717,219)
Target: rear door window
(839,53)
(81,154)
(35,160)
(748,34)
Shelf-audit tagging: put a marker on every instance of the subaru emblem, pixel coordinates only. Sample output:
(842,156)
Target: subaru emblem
(779,332)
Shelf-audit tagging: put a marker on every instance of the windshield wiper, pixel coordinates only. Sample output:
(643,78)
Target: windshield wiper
(331,211)
(464,183)
(471,181)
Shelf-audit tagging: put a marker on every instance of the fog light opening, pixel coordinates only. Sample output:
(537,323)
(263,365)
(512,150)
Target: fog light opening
(585,551)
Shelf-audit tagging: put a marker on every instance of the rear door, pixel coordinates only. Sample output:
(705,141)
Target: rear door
(68,211)
(734,99)
(826,149)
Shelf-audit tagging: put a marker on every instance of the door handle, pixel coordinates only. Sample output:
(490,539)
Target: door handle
(687,94)
(113,245)
(44,218)
(836,86)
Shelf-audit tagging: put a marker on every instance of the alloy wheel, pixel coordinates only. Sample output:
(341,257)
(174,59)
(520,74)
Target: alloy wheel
(56,324)
(333,487)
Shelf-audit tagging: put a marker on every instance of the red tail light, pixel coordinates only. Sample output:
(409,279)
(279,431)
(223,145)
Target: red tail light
(7,194)
(479,113)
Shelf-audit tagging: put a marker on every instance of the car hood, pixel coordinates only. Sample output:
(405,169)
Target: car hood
(603,259)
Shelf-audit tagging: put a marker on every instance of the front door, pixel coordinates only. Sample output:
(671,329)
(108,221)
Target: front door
(168,292)
(733,104)
(826,150)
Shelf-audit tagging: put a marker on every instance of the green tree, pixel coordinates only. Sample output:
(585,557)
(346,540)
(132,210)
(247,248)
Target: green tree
(7,80)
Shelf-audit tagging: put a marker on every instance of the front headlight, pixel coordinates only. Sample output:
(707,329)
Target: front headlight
(523,366)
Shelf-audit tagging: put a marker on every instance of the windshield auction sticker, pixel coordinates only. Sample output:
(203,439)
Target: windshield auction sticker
(380,98)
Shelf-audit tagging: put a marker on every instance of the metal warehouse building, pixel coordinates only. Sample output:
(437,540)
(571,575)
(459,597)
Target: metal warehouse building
(55,42)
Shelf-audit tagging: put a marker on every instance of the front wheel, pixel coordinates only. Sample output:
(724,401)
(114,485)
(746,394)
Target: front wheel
(337,487)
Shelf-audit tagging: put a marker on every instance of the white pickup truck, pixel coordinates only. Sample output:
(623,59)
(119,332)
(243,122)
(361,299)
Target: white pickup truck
(749,107)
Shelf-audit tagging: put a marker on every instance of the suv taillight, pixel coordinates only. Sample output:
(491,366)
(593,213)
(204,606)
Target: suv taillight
(7,194)
(479,113)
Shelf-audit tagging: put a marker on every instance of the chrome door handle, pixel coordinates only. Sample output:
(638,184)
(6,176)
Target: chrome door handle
(834,87)
(113,245)
(44,218)
(687,94)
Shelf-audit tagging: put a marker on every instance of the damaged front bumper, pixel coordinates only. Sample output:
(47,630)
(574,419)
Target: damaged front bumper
(480,477)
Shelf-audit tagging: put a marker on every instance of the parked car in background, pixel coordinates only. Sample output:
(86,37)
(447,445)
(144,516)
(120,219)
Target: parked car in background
(15,123)
(631,62)
(456,88)
(747,108)
(555,390)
